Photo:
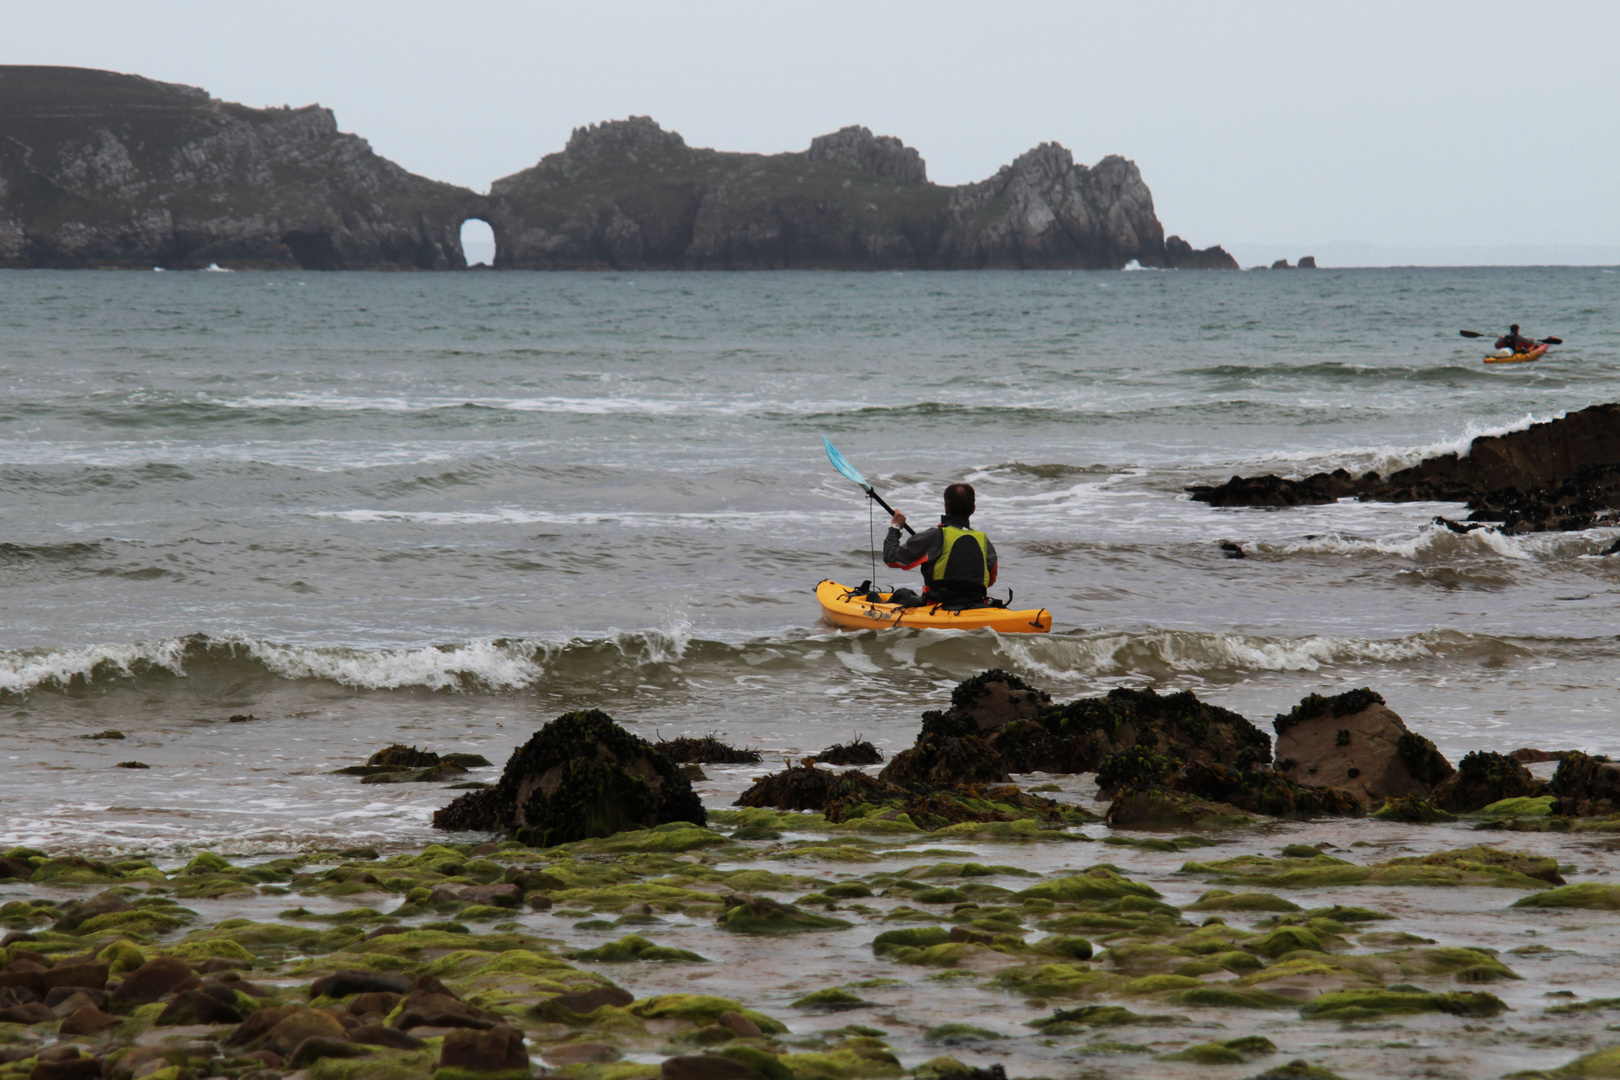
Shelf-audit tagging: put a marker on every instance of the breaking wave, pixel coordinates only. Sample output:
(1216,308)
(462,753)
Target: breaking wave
(674,657)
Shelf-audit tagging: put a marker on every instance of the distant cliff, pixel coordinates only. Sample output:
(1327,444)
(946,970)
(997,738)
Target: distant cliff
(99,169)
(628,194)
(105,170)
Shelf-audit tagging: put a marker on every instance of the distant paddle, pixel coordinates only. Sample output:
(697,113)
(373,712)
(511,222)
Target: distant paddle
(1544,341)
(840,463)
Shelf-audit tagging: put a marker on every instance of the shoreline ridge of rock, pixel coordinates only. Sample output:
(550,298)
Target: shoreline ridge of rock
(1557,475)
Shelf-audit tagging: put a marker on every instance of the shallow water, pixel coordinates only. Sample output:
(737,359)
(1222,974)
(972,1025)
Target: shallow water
(444,508)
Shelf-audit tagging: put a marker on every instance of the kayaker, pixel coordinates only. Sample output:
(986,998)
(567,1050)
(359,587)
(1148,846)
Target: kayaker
(1512,340)
(958,562)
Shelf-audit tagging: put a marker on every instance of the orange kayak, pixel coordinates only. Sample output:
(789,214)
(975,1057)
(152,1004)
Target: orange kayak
(1518,358)
(843,606)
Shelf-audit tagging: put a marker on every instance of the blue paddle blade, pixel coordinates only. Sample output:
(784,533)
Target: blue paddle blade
(843,466)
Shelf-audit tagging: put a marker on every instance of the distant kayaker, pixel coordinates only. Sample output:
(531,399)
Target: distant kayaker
(1512,340)
(958,562)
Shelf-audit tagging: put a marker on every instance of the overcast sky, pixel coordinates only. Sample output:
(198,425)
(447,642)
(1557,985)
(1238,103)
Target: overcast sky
(1407,123)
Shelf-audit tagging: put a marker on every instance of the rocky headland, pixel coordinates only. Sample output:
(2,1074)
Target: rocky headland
(1563,474)
(99,169)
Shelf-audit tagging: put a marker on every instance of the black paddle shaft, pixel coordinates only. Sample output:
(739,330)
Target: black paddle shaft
(1544,341)
(879,500)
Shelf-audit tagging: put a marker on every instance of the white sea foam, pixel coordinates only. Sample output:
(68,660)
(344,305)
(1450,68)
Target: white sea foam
(480,665)
(1159,653)
(23,670)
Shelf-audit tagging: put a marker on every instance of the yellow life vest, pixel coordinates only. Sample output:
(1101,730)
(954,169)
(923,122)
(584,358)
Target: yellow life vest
(971,565)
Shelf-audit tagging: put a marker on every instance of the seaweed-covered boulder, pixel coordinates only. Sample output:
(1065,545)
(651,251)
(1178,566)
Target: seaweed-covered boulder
(803,787)
(400,756)
(1482,778)
(1356,742)
(944,760)
(1586,786)
(988,700)
(582,775)
(1262,791)
(705,750)
(855,752)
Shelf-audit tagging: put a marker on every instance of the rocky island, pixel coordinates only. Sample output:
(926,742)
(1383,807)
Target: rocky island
(99,169)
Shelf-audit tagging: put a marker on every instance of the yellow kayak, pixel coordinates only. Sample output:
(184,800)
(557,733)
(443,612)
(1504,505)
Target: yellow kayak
(843,606)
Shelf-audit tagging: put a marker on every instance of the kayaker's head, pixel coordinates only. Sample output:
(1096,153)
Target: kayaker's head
(959,501)
(1514,329)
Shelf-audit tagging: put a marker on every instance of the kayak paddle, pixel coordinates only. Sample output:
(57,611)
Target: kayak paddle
(842,465)
(1543,341)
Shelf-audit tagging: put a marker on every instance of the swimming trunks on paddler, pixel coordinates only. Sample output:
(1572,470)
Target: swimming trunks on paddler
(958,561)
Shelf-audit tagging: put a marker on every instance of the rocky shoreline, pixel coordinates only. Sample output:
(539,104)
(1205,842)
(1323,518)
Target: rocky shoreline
(1166,901)
(102,170)
(1561,474)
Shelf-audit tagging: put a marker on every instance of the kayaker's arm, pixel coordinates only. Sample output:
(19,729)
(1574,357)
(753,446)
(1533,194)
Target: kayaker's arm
(991,556)
(913,551)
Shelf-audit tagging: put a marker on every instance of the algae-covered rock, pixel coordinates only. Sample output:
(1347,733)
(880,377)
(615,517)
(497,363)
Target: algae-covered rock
(1160,808)
(762,915)
(1298,1069)
(1482,857)
(1483,778)
(1222,900)
(1229,1052)
(1366,1004)
(1599,1065)
(1098,883)
(1466,866)
(1585,894)
(700,1010)
(634,947)
(831,1000)
(580,776)
(956,1034)
(1412,810)
(1355,742)
(1537,807)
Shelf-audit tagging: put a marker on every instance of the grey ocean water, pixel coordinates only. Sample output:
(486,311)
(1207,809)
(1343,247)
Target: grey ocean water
(444,508)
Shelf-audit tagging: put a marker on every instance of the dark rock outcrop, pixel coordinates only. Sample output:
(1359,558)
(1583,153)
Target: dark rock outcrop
(1482,778)
(627,194)
(1586,786)
(99,169)
(945,760)
(1076,737)
(850,794)
(1563,474)
(580,776)
(1355,742)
